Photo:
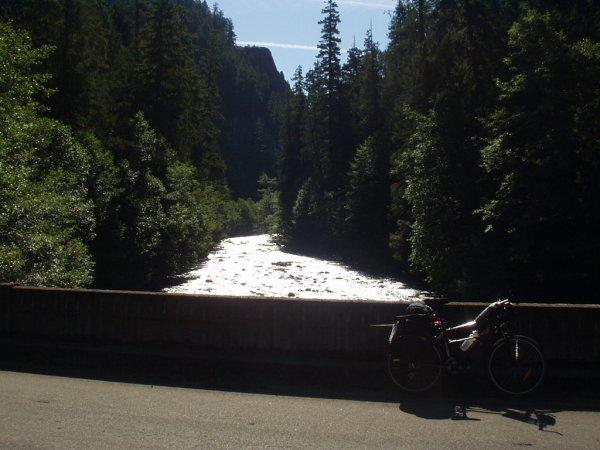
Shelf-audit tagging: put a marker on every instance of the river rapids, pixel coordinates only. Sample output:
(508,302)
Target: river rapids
(256,266)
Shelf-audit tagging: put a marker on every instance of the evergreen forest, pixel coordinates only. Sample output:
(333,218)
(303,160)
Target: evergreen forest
(135,134)
(468,149)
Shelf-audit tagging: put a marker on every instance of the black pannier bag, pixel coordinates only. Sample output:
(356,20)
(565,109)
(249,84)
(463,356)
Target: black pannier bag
(416,321)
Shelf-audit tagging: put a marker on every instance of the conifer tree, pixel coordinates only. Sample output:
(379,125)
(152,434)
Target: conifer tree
(291,171)
(370,87)
(367,200)
(329,50)
(328,71)
(351,73)
(208,156)
(407,75)
(172,83)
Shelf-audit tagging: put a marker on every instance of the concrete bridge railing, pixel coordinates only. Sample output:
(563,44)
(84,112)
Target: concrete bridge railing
(341,329)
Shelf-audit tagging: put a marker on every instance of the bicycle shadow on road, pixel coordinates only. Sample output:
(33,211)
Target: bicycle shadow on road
(440,408)
(470,398)
(472,403)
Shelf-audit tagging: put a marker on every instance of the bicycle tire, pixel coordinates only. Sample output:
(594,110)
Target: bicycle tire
(415,365)
(516,373)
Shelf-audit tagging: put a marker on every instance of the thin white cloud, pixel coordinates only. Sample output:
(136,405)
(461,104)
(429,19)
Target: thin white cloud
(278,45)
(367,4)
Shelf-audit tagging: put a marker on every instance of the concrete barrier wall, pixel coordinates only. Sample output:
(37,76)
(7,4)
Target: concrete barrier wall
(302,327)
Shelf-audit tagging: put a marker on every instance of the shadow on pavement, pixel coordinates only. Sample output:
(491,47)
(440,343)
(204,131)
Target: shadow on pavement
(461,407)
(456,399)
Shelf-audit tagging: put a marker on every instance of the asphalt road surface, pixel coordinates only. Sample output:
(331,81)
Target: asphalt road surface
(44,411)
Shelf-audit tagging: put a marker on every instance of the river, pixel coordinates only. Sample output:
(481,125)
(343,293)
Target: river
(256,266)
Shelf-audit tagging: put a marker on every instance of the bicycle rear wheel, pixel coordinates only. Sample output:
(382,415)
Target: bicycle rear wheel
(516,365)
(415,364)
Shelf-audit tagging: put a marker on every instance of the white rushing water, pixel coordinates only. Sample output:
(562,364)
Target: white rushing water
(255,266)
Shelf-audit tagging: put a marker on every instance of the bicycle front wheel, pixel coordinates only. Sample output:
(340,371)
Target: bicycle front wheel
(516,365)
(415,364)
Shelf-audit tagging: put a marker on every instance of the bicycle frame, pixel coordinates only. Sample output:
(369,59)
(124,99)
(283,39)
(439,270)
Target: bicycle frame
(493,334)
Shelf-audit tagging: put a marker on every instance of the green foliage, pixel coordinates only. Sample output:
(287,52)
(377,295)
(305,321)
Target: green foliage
(291,167)
(323,145)
(192,224)
(366,199)
(45,216)
(369,101)
(125,202)
(439,225)
(331,112)
(242,213)
(307,221)
(438,180)
(103,177)
(20,83)
(543,209)
(329,50)
(260,216)
(352,72)
(268,206)
(489,113)
(80,65)
(325,94)
(168,219)
(488,110)
(142,213)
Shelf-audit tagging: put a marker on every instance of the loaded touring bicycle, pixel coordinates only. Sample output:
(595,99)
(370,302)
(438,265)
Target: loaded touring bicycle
(422,349)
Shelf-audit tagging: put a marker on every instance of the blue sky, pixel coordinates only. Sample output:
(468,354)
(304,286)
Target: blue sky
(290,29)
